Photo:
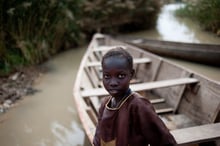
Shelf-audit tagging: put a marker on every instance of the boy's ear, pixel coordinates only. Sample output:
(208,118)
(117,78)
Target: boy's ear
(132,73)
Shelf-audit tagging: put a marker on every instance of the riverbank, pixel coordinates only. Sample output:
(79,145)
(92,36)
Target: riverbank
(17,85)
(63,24)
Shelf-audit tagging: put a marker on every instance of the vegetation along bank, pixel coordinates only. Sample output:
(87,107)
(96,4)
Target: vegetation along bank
(34,30)
(31,31)
(206,12)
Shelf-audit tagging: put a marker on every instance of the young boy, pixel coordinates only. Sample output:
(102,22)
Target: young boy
(125,117)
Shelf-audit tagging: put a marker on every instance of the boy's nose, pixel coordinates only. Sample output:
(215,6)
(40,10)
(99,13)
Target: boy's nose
(113,83)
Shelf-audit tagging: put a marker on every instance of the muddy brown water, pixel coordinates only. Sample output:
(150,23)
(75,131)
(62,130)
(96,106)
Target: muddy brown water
(49,117)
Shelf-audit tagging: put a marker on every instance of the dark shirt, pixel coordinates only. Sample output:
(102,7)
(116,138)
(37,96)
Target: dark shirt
(133,123)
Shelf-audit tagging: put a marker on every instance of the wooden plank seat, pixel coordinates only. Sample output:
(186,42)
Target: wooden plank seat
(142,86)
(197,134)
(93,93)
(162,107)
(135,81)
(158,100)
(104,48)
(177,121)
(136,61)
(95,104)
(164,110)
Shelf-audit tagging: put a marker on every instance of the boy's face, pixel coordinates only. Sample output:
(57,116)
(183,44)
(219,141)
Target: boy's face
(116,76)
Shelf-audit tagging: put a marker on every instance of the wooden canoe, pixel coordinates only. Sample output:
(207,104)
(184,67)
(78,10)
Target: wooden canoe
(201,53)
(188,103)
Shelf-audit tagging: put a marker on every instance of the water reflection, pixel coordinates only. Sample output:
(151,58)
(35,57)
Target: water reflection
(67,136)
(28,129)
(172,29)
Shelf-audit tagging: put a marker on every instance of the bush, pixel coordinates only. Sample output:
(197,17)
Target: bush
(206,12)
(33,30)
(105,15)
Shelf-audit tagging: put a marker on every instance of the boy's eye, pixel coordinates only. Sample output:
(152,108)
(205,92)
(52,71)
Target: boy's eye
(121,76)
(106,76)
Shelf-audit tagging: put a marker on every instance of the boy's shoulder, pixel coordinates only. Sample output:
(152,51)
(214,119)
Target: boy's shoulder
(140,103)
(139,99)
(105,100)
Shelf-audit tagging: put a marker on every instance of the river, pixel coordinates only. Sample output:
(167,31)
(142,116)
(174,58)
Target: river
(171,28)
(49,117)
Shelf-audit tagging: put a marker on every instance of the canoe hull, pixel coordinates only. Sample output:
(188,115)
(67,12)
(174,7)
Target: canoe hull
(201,53)
(183,98)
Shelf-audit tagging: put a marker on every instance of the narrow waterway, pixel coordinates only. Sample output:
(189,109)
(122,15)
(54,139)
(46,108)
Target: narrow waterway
(171,28)
(49,117)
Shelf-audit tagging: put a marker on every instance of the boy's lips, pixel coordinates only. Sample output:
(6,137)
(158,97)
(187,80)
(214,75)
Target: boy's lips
(113,91)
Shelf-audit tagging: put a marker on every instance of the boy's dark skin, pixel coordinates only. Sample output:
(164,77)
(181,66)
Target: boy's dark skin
(116,78)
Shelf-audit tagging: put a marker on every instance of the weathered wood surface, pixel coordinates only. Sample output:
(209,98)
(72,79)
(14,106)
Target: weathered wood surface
(136,61)
(142,86)
(187,98)
(202,53)
(197,134)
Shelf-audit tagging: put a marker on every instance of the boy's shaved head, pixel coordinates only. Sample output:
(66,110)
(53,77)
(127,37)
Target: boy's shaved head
(119,52)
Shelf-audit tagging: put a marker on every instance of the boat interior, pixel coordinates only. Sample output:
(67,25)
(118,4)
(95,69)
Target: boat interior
(183,99)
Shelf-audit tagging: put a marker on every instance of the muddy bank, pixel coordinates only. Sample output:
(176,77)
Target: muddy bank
(18,85)
(48,117)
